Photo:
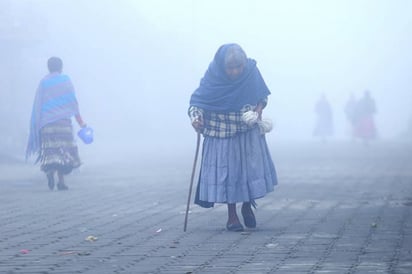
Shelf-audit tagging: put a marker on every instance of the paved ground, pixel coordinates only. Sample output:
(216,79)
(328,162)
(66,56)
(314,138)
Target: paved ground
(339,208)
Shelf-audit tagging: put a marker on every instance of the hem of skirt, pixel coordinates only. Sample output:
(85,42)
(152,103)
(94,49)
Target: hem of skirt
(65,169)
(208,204)
(204,204)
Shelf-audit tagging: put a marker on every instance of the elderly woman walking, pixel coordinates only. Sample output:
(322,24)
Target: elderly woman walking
(51,132)
(226,109)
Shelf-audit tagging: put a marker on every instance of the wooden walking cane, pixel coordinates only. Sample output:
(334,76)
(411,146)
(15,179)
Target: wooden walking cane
(191,180)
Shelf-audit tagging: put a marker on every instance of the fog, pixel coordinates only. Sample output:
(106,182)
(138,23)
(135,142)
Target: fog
(134,64)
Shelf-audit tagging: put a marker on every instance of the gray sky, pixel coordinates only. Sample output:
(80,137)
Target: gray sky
(135,63)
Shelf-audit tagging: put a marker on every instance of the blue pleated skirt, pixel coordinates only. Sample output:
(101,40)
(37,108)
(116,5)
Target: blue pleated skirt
(236,169)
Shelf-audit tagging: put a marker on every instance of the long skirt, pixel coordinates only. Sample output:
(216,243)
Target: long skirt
(236,169)
(58,149)
(365,128)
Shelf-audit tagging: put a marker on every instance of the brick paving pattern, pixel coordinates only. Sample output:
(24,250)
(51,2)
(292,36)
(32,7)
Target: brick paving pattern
(338,208)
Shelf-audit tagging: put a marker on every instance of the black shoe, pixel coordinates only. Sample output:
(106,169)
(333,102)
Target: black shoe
(50,181)
(62,186)
(234,227)
(249,218)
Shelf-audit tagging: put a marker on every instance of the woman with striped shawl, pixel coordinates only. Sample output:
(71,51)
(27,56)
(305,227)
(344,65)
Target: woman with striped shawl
(51,132)
(236,164)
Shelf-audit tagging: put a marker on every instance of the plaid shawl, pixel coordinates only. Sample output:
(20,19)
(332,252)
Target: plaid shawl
(55,100)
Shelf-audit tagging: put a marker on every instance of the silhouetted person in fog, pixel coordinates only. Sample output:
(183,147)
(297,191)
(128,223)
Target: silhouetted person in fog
(51,132)
(365,128)
(324,119)
(350,113)
(236,164)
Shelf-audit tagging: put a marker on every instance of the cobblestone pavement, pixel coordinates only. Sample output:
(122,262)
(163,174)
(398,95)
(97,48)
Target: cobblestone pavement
(338,208)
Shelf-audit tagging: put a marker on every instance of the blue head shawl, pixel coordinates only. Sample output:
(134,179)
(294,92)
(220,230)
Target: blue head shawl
(218,93)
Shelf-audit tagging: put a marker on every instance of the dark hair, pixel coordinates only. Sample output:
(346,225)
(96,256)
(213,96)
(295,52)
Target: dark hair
(55,64)
(235,56)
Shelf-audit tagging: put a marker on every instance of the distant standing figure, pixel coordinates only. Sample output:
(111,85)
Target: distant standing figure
(365,128)
(350,113)
(51,132)
(324,118)
(236,165)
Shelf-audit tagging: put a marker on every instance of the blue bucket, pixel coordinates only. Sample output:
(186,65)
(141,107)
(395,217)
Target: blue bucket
(86,135)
